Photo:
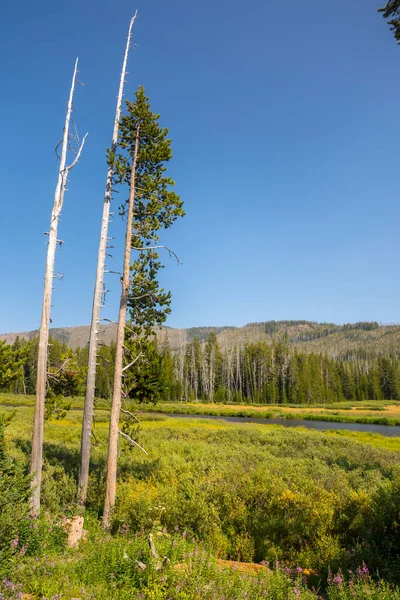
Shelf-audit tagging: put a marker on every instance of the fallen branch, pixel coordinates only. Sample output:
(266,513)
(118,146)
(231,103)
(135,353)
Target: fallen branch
(153,549)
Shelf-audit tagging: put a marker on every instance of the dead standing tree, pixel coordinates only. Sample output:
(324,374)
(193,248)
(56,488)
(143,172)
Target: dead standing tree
(119,355)
(99,290)
(41,381)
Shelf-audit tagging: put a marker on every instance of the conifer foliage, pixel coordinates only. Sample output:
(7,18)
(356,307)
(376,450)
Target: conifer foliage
(391,11)
(11,363)
(157,206)
(153,205)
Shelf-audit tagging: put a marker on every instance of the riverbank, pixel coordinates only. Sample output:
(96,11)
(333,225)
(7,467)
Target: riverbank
(389,415)
(347,412)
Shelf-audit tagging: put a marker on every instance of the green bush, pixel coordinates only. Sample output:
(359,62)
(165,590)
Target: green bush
(206,491)
(14,507)
(300,497)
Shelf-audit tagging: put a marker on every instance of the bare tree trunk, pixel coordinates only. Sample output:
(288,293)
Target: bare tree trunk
(41,381)
(205,376)
(228,382)
(193,373)
(117,391)
(212,373)
(98,291)
(181,365)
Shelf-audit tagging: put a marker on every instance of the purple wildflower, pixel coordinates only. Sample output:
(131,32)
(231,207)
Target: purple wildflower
(338,579)
(8,584)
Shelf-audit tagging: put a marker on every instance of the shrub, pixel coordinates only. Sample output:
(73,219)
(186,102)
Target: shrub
(14,507)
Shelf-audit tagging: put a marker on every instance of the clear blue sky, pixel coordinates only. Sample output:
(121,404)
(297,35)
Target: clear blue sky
(284,120)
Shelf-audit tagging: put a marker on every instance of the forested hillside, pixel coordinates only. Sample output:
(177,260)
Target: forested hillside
(335,340)
(288,365)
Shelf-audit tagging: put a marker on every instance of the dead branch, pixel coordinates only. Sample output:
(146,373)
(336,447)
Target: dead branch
(56,149)
(127,349)
(110,362)
(54,375)
(95,441)
(127,412)
(170,252)
(140,297)
(132,363)
(131,441)
(153,549)
(71,166)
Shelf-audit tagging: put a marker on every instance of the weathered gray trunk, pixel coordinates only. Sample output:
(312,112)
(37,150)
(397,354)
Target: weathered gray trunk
(111,486)
(88,410)
(41,381)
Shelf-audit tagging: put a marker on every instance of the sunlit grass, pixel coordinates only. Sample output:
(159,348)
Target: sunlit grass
(379,412)
(250,491)
(69,427)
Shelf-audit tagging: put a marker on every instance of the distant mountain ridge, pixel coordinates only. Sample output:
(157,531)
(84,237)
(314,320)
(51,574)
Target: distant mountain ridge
(310,336)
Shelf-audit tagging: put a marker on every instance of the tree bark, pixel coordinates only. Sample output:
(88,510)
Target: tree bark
(41,380)
(98,290)
(117,391)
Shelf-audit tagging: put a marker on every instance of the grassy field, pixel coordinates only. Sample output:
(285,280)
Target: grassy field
(389,413)
(377,412)
(305,502)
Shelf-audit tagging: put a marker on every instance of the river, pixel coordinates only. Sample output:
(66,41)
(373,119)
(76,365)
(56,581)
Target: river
(387,430)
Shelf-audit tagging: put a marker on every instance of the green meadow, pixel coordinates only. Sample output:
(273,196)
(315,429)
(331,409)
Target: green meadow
(302,513)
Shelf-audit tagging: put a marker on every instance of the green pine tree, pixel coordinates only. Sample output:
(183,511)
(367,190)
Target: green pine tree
(11,363)
(139,162)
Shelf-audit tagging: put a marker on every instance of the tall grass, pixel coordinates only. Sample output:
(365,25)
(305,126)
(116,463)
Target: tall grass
(301,501)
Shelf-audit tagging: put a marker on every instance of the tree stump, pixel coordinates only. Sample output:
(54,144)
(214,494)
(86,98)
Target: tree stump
(75,530)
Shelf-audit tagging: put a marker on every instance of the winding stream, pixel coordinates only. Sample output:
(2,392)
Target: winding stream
(387,430)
